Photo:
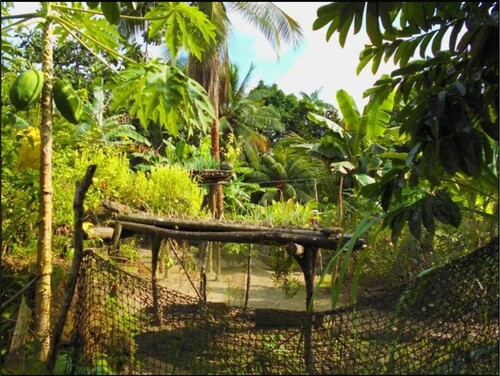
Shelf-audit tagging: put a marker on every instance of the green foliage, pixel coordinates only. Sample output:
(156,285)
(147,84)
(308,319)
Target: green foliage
(294,112)
(244,118)
(447,102)
(283,274)
(283,176)
(184,26)
(164,190)
(162,94)
(288,213)
(19,188)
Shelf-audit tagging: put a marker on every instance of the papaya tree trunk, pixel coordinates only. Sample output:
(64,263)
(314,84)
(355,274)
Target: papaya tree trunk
(44,256)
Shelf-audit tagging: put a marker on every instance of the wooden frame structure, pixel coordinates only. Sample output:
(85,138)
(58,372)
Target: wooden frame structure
(302,244)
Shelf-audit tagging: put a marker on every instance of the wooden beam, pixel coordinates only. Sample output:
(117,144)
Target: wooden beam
(268,236)
(128,214)
(104,233)
(294,249)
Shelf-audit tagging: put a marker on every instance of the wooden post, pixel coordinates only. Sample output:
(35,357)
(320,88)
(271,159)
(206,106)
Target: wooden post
(218,260)
(306,257)
(115,240)
(164,253)
(203,271)
(81,190)
(210,259)
(155,252)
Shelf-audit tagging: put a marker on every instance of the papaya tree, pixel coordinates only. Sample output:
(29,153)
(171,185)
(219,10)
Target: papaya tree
(446,96)
(94,27)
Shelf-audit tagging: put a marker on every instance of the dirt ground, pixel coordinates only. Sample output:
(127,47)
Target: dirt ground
(229,286)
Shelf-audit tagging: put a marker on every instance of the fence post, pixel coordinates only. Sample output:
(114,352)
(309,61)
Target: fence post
(81,189)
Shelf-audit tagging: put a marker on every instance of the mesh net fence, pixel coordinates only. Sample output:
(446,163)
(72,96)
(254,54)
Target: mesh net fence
(443,322)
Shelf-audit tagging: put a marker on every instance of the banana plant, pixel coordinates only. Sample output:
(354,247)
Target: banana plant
(353,150)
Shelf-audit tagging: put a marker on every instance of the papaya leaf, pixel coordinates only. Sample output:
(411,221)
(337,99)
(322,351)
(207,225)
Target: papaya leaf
(184,26)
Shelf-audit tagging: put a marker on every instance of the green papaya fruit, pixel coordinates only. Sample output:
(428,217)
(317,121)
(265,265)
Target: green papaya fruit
(67,101)
(111,11)
(26,89)
(92,5)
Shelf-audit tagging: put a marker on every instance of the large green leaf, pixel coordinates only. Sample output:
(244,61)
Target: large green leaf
(351,117)
(184,26)
(378,118)
(330,124)
(445,209)
(163,94)
(372,24)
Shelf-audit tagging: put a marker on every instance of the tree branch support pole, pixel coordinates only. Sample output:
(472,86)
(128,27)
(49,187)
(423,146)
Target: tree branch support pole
(81,190)
(306,257)
(115,240)
(204,249)
(155,251)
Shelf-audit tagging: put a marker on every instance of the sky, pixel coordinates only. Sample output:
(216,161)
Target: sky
(314,65)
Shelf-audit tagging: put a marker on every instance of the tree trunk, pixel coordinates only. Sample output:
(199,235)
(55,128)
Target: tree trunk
(44,257)
(81,190)
(155,252)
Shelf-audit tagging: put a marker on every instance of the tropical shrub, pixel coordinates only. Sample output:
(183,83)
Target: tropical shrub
(164,190)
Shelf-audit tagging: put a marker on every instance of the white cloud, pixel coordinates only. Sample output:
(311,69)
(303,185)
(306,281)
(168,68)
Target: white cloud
(317,64)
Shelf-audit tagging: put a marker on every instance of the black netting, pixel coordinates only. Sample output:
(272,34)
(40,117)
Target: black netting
(444,322)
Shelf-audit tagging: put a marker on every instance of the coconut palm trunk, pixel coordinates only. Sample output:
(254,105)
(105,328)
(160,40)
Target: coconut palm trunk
(44,257)
(213,72)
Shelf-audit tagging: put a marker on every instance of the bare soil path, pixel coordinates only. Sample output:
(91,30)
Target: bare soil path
(229,287)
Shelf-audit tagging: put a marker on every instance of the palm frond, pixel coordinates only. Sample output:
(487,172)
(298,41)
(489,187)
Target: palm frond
(276,26)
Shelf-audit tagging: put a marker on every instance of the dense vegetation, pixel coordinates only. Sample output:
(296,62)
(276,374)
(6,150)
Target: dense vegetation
(422,153)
